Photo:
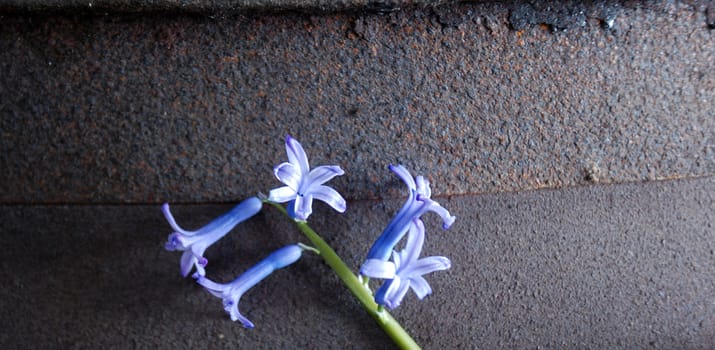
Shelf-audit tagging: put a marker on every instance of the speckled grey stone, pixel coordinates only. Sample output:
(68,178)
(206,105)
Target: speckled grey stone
(192,108)
(210,6)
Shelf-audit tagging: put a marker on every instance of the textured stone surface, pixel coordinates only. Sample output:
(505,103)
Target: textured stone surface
(503,96)
(210,6)
(194,108)
(626,266)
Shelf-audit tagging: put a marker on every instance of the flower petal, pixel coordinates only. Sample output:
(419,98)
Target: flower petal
(296,155)
(245,321)
(376,268)
(219,227)
(200,270)
(420,286)
(330,196)
(173,242)
(447,218)
(415,240)
(232,308)
(398,257)
(425,266)
(405,175)
(423,187)
(172,222)
(290,208)
(212,287)
(387,290)
(284,256)
(394,299)
(393,233)
(281,194)
(288,174)
(323,174)
(186,262)
(198,251)
(303,207)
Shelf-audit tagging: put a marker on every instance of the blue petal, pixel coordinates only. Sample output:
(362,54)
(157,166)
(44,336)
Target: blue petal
(288,174)
(172,222)
(330,196)
(415,240)
(281,194)
(224,223)
(211,286)
(423,187)
(405,175)
(420,287)
(245,321)
(220,226)
(231,306)
(395,230)
(323,174)
(276,260)
(303,206)
(447,218)
(173,242)
(285,256)
(425,266)
(391,292)
(395,299)
(291,208)
(382,293)
(375,268)
(296,155)
(186,262)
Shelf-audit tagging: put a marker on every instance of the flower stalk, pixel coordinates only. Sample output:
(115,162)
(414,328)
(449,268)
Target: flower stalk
(391,327)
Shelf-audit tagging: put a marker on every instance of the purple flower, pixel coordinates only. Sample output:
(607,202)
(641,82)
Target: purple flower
(194,243)
(231,292)
(303,185)
(406,271)
(417,203)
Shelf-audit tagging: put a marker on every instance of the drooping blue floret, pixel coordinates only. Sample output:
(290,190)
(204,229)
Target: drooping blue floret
(195,243)
(231,292)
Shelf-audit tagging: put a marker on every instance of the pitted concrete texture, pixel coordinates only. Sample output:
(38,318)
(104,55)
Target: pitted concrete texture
(211,6)
(625,266)
(194,109)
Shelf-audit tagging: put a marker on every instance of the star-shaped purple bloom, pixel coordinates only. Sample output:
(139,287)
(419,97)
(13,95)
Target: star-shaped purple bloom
(302,185)
(231,292)
(195,243)
(406,270)
(417,204)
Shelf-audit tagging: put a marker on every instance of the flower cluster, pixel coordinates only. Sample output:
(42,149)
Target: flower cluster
(301,186)
(406,269)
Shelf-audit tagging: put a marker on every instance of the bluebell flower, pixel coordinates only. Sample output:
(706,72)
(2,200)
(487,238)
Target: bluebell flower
(406,269)
(195,243)
(231,292)
(417,204)
(302,185)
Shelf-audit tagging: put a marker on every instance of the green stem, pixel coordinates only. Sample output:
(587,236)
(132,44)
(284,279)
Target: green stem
(361,291)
